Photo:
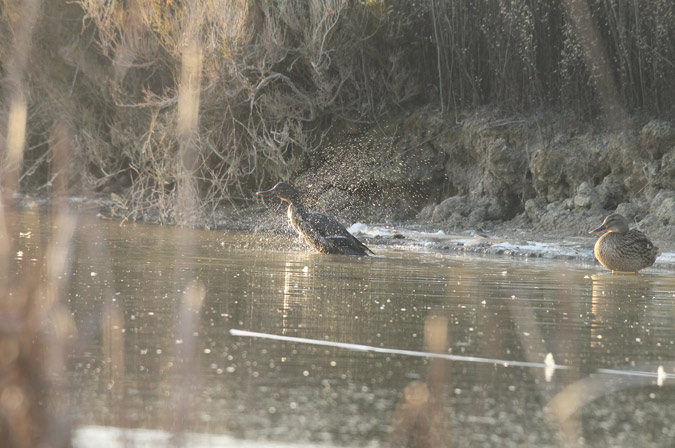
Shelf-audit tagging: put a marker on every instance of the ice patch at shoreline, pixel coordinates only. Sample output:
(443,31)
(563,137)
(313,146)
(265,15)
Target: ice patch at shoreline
(427,239)
(554,249)
(373,231)
(491,245)
(93,436)
(359,228)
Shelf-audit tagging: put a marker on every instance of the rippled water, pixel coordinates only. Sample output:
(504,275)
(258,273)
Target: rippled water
(528,352)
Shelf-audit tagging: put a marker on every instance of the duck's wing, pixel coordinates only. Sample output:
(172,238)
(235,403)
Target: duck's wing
(330,229)
(636,244)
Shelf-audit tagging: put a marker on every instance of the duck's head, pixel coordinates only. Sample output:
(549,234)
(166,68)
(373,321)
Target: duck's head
(282,190)
(613,223)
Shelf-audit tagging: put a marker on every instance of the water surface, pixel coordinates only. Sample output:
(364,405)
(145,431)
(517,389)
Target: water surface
(537,352)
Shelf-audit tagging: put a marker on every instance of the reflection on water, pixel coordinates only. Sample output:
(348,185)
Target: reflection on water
(154,308)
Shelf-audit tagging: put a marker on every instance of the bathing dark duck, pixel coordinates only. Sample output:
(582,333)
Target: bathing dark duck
(621,249)
(324,233)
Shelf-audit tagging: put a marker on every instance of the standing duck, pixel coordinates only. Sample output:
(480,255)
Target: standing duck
(621,249)
(324,233)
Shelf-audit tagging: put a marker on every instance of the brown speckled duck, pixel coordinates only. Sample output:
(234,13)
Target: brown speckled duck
(324,233)
(621,249)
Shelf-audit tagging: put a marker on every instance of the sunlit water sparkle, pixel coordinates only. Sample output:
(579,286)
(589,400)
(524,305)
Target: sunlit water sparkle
(292,348)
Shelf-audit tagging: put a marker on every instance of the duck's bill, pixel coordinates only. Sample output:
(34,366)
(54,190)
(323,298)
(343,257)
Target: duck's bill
(266,193)
(600,229)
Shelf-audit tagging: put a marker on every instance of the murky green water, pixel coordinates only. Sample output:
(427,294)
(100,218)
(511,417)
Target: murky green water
(154,309)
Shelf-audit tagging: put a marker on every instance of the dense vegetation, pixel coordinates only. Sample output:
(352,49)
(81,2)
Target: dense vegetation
(186,103)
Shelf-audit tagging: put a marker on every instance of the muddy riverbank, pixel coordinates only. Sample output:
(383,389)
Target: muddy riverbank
(500,183)
(523,186)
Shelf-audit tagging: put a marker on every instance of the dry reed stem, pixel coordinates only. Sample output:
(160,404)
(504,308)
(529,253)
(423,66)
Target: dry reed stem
(33,332)
(419,418)
(188,121)
(597,62)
